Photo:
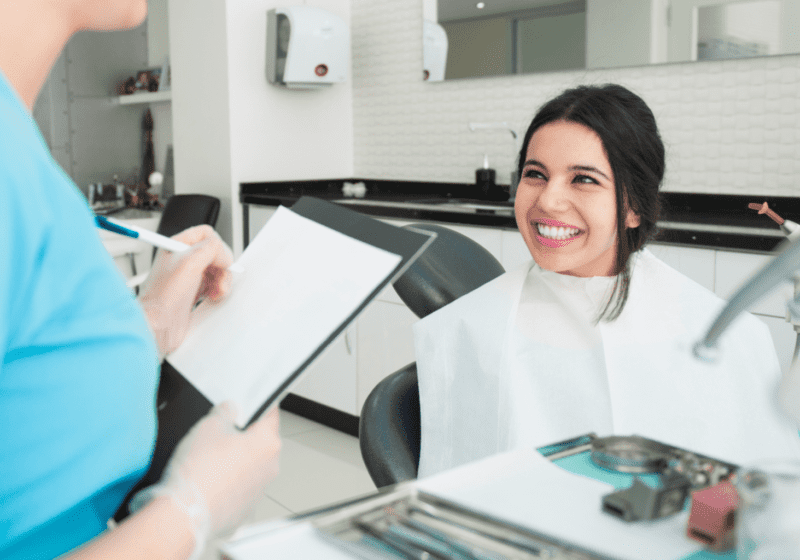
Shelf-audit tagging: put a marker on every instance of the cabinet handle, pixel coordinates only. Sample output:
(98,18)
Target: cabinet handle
(347,342)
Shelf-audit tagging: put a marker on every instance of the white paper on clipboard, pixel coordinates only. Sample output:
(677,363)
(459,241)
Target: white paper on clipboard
(301,281)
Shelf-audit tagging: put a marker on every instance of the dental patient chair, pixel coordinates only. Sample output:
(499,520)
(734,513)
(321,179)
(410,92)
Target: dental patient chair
(389,428)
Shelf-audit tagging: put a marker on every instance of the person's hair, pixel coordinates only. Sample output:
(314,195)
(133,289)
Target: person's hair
(627,128)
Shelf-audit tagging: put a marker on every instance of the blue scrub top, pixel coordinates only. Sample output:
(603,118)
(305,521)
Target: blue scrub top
(78,363)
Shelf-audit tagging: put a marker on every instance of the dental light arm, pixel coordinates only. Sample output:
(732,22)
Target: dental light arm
(780,269)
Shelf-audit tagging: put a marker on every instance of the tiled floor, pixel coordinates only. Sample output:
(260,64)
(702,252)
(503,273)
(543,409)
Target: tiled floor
(319,466)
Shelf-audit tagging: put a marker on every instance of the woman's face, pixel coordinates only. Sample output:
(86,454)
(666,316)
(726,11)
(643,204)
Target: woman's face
(566,202)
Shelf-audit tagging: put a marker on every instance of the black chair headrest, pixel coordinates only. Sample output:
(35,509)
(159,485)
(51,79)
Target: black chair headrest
(453,265)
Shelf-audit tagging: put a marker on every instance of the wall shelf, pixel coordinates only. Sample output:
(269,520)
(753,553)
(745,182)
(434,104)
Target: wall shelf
(145,97)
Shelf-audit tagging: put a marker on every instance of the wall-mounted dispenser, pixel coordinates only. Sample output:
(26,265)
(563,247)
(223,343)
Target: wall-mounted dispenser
(307,48)
(434,51)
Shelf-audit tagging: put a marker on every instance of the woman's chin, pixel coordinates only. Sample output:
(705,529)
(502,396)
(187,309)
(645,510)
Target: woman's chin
(133,16)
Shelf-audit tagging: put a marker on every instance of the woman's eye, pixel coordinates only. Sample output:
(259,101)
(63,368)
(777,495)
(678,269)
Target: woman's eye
(585,179)
(533,174)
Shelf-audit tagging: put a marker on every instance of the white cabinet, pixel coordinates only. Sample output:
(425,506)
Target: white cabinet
(385,344)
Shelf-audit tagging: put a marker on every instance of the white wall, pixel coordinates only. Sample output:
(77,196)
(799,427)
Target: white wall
(279,134)
(157,50)
(200,102)
(230,125)
(730,127)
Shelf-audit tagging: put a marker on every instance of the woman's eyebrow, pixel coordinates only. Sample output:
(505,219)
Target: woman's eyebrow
(537,163)
(588,168)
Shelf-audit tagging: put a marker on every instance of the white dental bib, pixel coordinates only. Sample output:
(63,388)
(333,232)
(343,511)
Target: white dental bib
(520,363)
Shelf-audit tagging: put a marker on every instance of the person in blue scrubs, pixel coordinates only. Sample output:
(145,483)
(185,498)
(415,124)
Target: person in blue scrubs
(79,355)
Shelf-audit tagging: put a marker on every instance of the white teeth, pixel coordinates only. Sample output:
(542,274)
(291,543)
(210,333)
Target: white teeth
(556,232)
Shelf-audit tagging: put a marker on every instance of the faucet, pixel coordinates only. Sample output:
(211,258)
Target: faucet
(473,126)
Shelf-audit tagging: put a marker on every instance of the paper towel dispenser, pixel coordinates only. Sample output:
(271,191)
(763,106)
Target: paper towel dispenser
(307,47)
(434,51)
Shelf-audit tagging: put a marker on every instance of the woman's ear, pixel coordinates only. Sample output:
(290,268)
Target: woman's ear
(632,219)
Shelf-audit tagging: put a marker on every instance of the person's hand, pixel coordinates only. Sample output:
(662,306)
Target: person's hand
(217,472)
(178,281)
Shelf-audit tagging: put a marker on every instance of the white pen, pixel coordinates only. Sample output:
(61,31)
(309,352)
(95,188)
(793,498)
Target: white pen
(151,237)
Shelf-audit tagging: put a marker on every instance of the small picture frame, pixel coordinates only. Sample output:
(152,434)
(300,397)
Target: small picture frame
(147,80)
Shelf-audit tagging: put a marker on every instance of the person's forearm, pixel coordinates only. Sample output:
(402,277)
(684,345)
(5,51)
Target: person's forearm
(160,530)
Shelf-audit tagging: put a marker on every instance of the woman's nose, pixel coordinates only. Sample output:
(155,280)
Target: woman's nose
(554,197)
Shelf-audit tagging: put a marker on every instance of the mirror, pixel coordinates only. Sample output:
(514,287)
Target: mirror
(471,38)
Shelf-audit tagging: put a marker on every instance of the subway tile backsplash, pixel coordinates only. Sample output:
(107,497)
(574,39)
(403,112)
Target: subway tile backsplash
(730,127)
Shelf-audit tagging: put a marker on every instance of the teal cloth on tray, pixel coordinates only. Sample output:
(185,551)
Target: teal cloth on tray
(582,464)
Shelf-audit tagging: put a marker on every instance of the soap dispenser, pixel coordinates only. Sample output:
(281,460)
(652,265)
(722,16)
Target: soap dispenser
(484,180)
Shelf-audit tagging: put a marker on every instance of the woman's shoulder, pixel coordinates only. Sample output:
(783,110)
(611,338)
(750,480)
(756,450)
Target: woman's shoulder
(652,270)
(667,287)
(493,298)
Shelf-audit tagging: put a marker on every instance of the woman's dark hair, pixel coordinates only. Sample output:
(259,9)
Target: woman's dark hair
(627,128)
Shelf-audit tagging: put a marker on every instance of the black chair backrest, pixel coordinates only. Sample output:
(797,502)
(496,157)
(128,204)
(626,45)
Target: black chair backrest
(453,265)
(389,428)
(183,211)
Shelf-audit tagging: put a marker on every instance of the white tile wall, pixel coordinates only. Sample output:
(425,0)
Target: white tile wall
(730,127)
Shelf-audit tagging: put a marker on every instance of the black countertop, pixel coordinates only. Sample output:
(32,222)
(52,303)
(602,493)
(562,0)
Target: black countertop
(700,220)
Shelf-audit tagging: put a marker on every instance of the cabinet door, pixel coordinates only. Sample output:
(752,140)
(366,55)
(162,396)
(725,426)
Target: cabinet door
(784,338)
(385,344)
(735,269)
(697,264)
(331,379)
(258,216)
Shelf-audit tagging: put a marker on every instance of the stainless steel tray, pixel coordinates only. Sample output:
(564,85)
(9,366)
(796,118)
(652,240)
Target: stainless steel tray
(407,523)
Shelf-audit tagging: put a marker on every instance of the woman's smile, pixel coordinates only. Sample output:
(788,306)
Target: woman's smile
(552,233)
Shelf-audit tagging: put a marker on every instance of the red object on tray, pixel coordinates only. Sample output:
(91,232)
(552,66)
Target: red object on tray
(713,515)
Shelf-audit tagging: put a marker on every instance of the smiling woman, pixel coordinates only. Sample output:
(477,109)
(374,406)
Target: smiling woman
(594,334)
(592,158)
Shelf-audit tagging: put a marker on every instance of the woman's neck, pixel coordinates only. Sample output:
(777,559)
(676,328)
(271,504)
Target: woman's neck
(32,35)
